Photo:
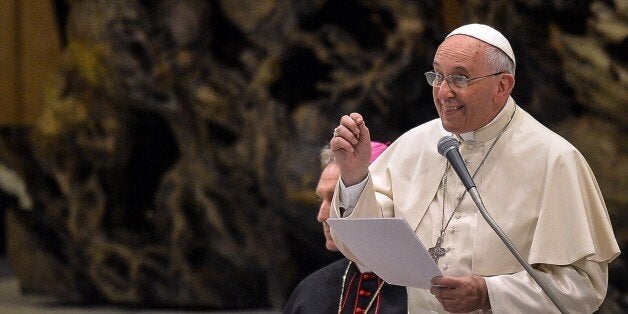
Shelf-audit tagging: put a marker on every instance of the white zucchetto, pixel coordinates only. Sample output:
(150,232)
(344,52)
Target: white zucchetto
(488,35)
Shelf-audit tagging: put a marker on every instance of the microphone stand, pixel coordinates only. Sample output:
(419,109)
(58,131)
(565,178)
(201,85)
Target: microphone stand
(473,191)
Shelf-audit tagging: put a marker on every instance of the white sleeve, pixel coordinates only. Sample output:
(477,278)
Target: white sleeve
(580,287)
(349,196)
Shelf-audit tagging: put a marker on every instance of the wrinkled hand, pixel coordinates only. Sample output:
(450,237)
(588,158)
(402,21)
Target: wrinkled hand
(461,294)
(351,145)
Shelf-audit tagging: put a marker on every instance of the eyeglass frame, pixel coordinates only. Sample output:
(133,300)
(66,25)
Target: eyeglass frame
(449,79)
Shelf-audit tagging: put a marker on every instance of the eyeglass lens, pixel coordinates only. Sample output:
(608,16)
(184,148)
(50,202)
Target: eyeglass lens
(436,79)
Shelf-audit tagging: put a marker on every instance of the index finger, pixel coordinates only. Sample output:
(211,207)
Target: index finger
(362,130)
(357,118)
(352,122)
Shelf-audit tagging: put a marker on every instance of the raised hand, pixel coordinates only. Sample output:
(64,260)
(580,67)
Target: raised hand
(351,145)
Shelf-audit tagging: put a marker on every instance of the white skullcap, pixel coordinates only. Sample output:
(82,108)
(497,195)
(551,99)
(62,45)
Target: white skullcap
(488,35)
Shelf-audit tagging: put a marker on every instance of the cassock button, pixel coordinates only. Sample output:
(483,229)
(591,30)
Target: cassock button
(363,293)
(368,276)
(358,310)
(469,146)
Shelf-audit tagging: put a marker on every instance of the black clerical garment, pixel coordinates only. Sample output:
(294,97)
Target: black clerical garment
(320,292)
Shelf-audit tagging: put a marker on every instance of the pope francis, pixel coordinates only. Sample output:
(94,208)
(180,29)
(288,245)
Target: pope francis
(535,185)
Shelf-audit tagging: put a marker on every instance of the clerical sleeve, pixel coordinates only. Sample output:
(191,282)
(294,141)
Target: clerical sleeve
(580,287)
(348,196)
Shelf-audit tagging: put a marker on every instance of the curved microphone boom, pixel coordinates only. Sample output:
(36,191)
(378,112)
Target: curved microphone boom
(448,147)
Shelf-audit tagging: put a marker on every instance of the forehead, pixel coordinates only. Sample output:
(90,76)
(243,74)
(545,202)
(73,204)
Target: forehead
(460,51)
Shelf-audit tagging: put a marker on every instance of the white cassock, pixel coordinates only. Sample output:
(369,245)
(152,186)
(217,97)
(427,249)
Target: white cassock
(536,186)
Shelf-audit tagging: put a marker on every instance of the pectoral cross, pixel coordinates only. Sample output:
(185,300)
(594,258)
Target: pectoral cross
(437,251)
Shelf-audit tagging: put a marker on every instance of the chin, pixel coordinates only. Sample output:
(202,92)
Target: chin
(450,129)
(453,128)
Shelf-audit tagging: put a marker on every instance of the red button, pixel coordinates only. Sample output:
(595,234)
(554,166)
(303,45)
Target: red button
(359,310)
(368,276)
(363,293)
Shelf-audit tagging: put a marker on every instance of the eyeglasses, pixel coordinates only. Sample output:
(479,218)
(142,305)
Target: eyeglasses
(457,81)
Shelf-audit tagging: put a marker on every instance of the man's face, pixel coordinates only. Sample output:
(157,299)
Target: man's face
(468,109)
(325,191)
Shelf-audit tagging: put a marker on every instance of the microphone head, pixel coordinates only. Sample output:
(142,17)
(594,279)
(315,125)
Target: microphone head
(446,143)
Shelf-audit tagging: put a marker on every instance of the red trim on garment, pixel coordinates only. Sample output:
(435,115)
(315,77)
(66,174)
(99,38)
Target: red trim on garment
(357,297)
(347,290)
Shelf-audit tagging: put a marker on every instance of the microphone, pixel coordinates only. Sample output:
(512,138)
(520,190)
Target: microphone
(448,147)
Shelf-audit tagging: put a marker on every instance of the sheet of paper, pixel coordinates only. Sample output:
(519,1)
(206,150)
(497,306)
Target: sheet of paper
(389,248)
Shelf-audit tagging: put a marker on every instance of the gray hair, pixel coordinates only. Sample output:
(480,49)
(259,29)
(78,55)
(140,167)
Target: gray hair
(499,60)
(327,157)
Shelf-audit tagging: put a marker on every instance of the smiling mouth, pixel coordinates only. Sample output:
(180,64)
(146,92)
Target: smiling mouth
(451,109)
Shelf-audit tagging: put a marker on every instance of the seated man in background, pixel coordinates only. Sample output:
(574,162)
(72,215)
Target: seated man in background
(342,287)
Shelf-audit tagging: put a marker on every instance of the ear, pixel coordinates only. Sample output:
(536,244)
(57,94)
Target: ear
(505,86)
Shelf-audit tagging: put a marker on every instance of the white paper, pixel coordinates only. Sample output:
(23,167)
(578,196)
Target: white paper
(389,248)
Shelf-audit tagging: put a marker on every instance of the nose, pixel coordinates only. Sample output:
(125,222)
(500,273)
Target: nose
(444,91)
(323,212)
